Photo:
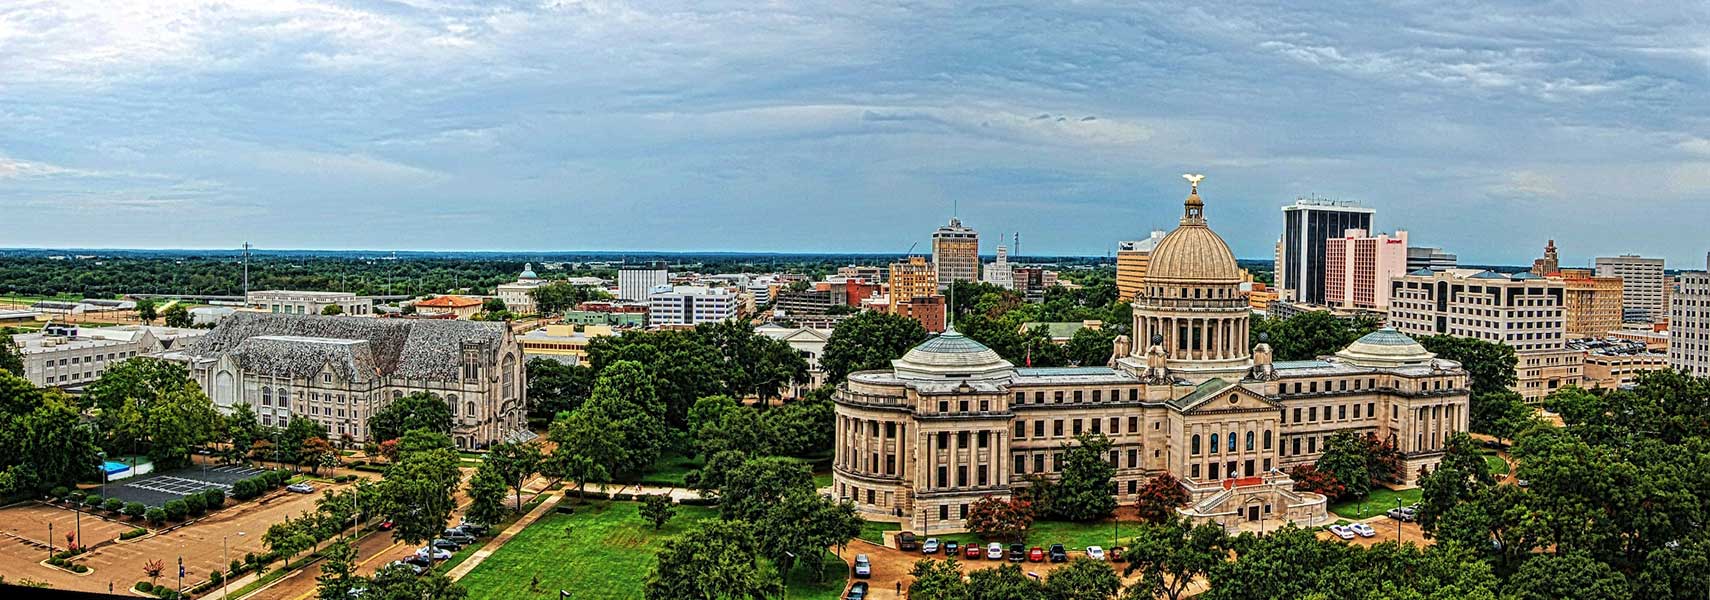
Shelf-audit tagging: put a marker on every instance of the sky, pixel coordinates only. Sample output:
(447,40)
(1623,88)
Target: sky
(1484,128)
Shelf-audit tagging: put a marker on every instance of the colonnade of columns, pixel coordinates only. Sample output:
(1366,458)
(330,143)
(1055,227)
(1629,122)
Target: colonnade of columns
(1197,338)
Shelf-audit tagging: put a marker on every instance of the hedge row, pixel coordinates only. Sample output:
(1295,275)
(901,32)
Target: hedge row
(246,489)
(134,533)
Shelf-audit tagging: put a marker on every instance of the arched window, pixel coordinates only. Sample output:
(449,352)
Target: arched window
(1267,439)
(1195,444)
(284,398)
(1231,441)
(469,409)
(396,394)
(1214,443)
(225,388)
(267,396)
(451,403)
(509,366)
(1249,441)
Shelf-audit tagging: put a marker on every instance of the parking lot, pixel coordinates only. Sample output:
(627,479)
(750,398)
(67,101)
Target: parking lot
(159,488)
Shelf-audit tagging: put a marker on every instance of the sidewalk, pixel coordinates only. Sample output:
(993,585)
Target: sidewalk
(499,541)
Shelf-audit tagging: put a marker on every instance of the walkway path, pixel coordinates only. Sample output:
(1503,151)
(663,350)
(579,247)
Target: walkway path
(499,541)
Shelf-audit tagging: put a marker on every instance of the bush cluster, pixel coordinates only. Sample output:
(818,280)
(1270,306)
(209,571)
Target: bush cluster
(134,533)
(260,484)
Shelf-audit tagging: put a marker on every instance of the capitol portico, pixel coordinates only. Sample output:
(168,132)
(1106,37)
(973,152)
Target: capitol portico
(952,421)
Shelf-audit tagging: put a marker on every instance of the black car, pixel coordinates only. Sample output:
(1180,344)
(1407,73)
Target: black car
(472,528)
(857,591)
(951,548)
(907,541)
(447,544)
(1058,553)
(1017,553)
(418,560)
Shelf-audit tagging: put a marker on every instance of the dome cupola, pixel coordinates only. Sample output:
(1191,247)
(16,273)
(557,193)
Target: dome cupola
(951,355)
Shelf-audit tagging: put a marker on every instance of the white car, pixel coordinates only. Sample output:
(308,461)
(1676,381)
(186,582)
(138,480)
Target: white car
(994,551)
(1095,553)
(863,566)
(431,552)
(1363,529)
(1342,531)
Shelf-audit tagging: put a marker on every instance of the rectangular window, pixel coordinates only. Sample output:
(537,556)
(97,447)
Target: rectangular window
(962,406)
(1077,426)
(981,475)
(1133,424)
(1038,397)
(1020,464)
(943,512)
(943,440)
(1312,414)
(961,476)
(1356,410)
(1296,450)
(1057,428)
(943,476)
(1038,463)
(1077,396)
(1039,428)
(1342,412)
(1312,444)
(1194,471)
(1371,409)
(985,438)
(1213,470)
(1021,397)
(1097,395)
(1297,414)
(1020,429)
(1097,426)
(1133,394)
(1057,397)
(1133,458)
(961,439)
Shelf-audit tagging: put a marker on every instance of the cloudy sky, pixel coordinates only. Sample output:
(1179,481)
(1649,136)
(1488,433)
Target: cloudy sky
(845,126)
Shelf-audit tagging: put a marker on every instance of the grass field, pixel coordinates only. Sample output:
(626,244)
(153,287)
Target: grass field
(1495,465)
(670,469)
(605,550)
(874,532)
(1380,500)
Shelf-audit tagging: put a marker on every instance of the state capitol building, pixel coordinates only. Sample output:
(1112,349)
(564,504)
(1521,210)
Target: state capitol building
(951,421)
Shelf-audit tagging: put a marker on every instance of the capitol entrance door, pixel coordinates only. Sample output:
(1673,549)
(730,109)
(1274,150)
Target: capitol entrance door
(1253,513)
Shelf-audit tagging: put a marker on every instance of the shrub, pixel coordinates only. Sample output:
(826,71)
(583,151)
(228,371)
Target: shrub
(144,587)
(59,492)
(94,500)
(155,515)
(215,498)
(195,504)
(74,495)
(135,509)
(176,509)
(249,558)
(236,567)
(216,577)
(79,568)
(133,534)
(113,505)
(244,489)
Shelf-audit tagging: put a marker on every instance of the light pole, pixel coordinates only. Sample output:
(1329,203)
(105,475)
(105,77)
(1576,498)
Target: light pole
(786,577)
(226,554)
(103,455)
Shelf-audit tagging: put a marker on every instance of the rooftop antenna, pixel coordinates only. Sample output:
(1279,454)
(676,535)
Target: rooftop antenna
(246,247)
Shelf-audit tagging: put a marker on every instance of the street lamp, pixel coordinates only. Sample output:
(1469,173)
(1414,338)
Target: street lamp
(225,551)
(103,455)
(786,579)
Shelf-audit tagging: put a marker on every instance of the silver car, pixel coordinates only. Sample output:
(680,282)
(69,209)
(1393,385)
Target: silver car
(863,566)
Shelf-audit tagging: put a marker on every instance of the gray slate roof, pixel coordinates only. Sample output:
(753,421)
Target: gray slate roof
(426,349)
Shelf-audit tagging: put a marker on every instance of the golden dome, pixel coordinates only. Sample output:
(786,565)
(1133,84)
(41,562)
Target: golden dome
(1193,253)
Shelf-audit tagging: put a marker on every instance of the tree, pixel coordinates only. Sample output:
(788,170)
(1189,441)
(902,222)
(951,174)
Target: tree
(494,305)
(332,310)
(1459,476)
(177,315)
(514,462)
(152,406)
(999,518)
(10,360)
(938,580)
(1307,478)
(242,432)
(418,410)
(753,488)
(1082,579)
(1159,497)
(1083,490)
(417,490)
(1502,414)
(555,387)
(1574,575)
(719,560)
(152,570)
(725,424)
(317,451)
(869,340)
(1309,335)
(582,450)
(757,366)
(1173,554)
(288,537)
(684,366)
(625,399)
(146,310)
(338,572)
(399,582)
(1004,583)
(1091,347)
(486,495)
(801,428)
(43,442)
(657,509)
(1344,459)
(554,298)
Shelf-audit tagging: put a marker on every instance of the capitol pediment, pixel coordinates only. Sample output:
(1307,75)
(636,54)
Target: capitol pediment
(1219,395)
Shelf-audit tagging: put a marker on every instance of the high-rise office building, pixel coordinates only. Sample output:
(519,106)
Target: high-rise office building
(910,279)
(1644,290)
(1522,310)
(636,280)
(955,253)
(690,304)
(1132,257)
(1689,324)
(1550,263)
(1434,259)
(1592,304)
(999,272)
(1358,268)
(1307,224)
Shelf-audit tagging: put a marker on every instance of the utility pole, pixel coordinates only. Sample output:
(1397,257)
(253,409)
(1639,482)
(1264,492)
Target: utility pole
(246,248)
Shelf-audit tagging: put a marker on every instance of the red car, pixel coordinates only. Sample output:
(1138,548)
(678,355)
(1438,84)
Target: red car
(972,552)
(1037,554)
(387,526)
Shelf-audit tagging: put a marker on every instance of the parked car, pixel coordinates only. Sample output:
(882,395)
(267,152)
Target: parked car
(1017,553)
(994,551)
(863,566)
(1404,514)
(1363,529)
(447,544)
(1116,554)
(414,568)
(434,553)
(418,560)
(906,541)
(1035,554)
(1522,483)
(857,591)
(387,525)
(461,538)
(302,488)
(951,548)
(1095,552)
(1058,553)
(972,552)
(1342,531)
(930,546)
(472,528)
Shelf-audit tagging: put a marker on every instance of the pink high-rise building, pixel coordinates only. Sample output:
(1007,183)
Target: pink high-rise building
(1358,268)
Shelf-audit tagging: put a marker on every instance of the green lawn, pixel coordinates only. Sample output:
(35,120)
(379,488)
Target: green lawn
(827,585)
(670,469)
(1380,500)
(874,531)
(604,550)
(493,530)
(821,480)
(1495,465)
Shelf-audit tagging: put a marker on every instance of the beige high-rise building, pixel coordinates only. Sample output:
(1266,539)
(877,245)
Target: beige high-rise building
(1689,324)
(1644,289)
(1591,304)
(956,253)
(1132,258)
(1522,310)
(910,279)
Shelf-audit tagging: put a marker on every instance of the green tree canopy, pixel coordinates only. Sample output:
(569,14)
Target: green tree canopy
(1310,334)
(719,560)
(418,410)
(1083,490)
(43,443)
(152,406)
(869,340)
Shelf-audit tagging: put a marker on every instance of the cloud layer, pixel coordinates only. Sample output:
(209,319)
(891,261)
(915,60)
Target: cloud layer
(569,125)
